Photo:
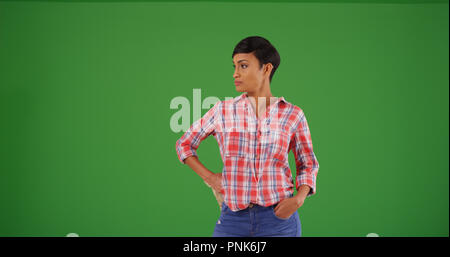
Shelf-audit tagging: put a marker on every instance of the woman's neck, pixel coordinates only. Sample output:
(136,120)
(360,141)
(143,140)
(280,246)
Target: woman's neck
(258,106)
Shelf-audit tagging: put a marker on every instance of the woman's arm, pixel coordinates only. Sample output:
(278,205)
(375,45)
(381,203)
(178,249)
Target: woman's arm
(194,163)
(307,165)
(212,179)
(187,145)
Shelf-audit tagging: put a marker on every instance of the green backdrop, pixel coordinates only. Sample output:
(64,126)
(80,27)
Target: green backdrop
(85,91)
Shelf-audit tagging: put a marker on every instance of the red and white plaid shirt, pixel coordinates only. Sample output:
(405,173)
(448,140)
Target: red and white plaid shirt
(255,150)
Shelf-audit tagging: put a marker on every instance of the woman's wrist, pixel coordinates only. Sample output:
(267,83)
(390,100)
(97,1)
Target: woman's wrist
(208,175)
(302,193)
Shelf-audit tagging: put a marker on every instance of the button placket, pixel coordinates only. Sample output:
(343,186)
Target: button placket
(255,133)
(251,131)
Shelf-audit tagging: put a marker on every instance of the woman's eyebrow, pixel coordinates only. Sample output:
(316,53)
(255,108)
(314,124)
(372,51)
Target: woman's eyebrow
(241,61)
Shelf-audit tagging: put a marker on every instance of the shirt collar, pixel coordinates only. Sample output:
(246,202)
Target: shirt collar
(245,95)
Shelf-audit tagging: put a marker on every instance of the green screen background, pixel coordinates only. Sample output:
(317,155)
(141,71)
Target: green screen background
(85,87)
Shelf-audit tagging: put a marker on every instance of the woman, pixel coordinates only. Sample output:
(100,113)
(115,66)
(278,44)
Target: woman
(255,132)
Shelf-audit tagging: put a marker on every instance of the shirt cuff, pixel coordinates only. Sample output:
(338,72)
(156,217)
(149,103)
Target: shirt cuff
(185,153)
(307,180)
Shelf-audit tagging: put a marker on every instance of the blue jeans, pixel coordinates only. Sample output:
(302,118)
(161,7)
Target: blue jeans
(257,221)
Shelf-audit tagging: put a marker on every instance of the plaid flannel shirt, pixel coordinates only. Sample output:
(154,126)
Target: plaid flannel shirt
(254,150)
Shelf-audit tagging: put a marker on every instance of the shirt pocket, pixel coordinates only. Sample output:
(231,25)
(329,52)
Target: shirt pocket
(236,142)
(275,144)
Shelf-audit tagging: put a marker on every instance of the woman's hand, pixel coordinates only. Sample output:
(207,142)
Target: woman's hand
(215,181)
(286,207)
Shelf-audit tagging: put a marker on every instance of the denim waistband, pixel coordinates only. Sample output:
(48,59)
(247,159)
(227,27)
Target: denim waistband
(254,206)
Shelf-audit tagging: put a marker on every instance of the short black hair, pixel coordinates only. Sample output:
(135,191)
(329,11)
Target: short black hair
(263,50)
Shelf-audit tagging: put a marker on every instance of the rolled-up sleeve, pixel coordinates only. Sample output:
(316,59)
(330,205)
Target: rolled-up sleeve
(187,145)
(306,162)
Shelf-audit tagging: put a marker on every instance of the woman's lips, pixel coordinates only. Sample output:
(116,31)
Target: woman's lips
(237,83)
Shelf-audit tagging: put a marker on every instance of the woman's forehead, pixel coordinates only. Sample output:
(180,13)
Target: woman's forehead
(243,57)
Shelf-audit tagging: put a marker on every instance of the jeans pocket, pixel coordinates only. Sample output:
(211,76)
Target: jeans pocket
(224,206)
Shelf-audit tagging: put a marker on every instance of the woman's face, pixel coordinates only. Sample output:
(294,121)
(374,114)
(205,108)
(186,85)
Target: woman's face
(248,73)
